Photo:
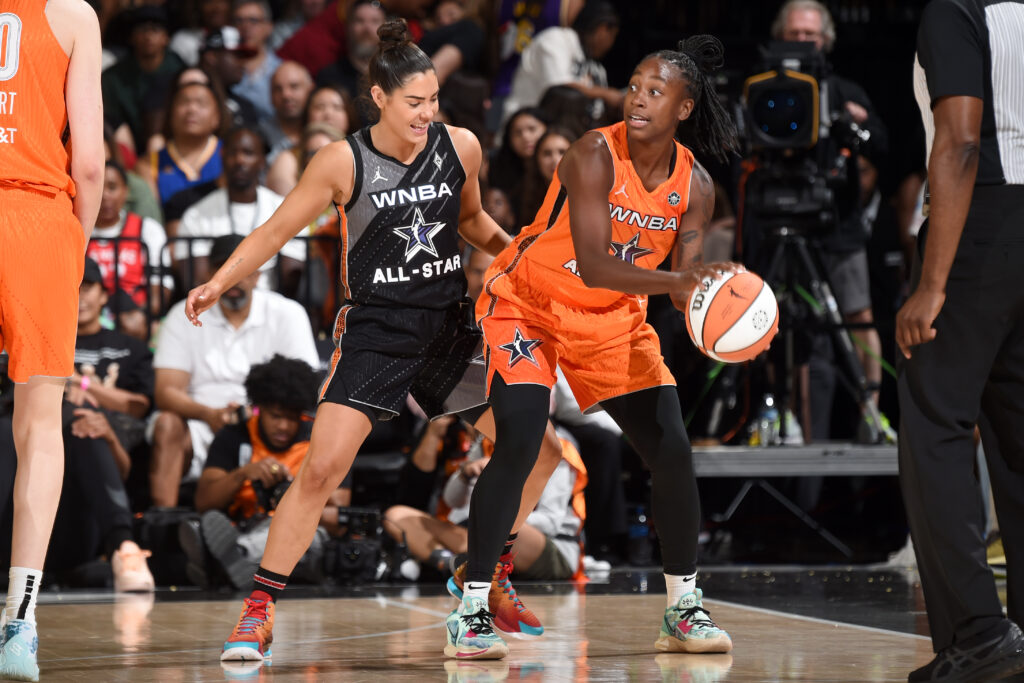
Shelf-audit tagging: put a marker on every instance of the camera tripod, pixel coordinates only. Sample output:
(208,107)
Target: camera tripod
(792,256)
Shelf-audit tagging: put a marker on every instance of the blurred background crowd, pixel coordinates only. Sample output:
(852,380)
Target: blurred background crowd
(181,440)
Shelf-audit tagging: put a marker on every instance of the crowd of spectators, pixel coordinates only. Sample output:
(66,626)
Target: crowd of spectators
(213,108)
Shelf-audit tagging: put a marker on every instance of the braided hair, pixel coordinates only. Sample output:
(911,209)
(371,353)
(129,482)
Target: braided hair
(697,58)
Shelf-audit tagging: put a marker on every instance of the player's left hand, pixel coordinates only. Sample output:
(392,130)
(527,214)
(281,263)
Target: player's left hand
(200,299)
(914,320)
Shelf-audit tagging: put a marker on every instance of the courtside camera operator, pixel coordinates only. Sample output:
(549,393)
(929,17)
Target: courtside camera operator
(804,127)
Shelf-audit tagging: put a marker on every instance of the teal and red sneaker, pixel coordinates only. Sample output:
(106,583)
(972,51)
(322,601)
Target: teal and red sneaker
(510,614)
(470,633)
(253,634)
(687,627)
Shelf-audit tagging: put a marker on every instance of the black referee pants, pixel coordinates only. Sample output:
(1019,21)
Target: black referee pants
(971,374)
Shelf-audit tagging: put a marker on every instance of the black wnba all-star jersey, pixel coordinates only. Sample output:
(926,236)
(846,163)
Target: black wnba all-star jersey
(399,231)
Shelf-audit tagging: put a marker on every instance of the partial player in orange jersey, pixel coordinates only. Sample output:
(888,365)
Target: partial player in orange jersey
(50,187)
(571,291)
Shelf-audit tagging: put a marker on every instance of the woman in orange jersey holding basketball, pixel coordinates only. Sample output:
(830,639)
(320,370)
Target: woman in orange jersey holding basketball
(571,291)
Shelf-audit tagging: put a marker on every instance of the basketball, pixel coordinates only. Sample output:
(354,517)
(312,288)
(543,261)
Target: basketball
(733,318)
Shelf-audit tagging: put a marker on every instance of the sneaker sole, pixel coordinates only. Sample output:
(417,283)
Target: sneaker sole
(523,630)
(221,538)
(694,645)
(243,653)
(493,652)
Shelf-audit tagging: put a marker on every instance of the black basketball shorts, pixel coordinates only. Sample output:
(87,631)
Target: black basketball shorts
(383,354)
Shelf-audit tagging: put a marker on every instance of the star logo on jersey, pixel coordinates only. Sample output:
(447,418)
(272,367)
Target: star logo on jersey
(630,251)
(377,176)
(674,199)
(521,348)
(438,161)
(419,236)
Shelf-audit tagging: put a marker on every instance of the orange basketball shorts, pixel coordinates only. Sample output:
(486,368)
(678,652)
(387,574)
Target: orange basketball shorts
(603,352)
(42,251)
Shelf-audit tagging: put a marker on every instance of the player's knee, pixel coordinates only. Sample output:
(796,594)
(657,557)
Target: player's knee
(320,474)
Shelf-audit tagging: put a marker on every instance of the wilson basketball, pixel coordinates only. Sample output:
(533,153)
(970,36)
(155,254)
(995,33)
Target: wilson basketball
(734,318)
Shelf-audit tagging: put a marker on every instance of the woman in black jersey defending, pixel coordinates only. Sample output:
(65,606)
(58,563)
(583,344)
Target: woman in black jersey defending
(405,189)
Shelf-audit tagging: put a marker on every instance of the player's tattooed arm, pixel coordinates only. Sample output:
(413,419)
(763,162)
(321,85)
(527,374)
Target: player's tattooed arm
(475,224)
(688,255)
(689,249)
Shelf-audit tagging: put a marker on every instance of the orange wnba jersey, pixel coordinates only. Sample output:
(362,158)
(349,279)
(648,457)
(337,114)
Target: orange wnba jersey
(33,116)
(645,225)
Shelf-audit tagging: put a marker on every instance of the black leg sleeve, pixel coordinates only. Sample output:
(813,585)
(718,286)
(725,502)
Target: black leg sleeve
(520,419)
(652,420)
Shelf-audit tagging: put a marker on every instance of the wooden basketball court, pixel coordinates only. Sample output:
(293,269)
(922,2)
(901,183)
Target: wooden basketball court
(397,635)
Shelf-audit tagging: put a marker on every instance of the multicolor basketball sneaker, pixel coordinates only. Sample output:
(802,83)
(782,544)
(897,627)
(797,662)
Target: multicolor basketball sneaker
(470,633)
(251,639)
(18,652)
(510,614)
(687,627)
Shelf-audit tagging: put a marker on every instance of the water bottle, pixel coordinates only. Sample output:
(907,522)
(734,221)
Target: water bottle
(639,545)
(768,422)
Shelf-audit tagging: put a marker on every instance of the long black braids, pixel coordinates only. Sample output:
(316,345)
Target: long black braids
(698,57)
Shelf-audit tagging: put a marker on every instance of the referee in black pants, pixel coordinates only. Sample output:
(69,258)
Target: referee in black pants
(962,333)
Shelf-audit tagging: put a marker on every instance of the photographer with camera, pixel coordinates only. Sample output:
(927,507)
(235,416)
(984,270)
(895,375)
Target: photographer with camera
(819,173)
(248,469)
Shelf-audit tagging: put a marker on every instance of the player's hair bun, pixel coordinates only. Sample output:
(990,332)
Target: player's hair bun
(706,51)
(393,34)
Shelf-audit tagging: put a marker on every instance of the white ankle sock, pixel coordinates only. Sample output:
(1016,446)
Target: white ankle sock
(22,590)
(678,586)
(473,589)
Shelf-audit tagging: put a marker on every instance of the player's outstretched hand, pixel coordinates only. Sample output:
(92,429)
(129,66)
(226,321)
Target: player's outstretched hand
(199,299)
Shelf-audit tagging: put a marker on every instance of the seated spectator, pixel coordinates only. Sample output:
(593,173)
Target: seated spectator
(508,167)
(550,149)
(298,14)
(200,371)
(438,453)
(349,71)
(237,208)
(249,466)
(252,18)
(569,108)
(127,246)
(192,154)
(213,15)
(289,92)
(454,40)
(222,56)
(548,546)
(329,108)
(149,68)
(499,207)
(140,198)
(113,373)
(570,56)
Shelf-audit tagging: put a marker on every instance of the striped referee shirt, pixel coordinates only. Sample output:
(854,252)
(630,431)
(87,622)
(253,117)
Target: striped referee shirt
(975,48)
